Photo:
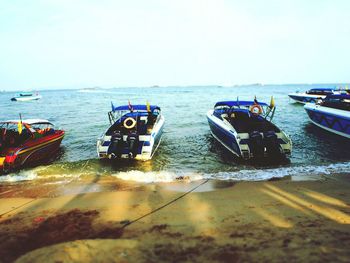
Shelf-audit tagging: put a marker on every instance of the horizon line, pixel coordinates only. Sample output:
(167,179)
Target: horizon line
(178,86)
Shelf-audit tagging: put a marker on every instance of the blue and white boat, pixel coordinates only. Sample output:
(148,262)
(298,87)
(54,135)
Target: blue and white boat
(135,132)
(246,130)
(26,96)
(331,114)
(312,95)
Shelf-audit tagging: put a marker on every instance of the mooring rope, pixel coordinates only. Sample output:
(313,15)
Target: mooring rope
(165,205)
(48,193)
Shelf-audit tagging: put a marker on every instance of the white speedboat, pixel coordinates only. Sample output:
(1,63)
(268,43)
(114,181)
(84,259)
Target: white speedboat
(331,114)
(312,95)
(135,132)
(26,96)
(246,130)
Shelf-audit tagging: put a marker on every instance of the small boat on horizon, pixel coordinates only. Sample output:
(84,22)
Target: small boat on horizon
(312,95)
(27,142)
(135,132)
(332,114)
(26,96)
(245,129)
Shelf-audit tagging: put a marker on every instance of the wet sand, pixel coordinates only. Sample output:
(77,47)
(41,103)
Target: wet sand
(109,220)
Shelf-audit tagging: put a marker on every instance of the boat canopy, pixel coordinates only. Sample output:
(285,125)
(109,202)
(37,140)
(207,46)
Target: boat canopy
(243,103)
(321,89)
(26,94)
(28,121)
(135,107)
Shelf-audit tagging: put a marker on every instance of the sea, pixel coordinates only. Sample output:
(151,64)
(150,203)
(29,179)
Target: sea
(187,149)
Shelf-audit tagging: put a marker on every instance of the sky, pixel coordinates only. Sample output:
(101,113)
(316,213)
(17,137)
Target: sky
(111,43)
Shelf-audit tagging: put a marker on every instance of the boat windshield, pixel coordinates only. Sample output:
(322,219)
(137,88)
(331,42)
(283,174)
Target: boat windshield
(25,94)
(11,136)
(319,91)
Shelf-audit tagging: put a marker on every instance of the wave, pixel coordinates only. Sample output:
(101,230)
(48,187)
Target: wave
(301,172)
(20,176)
(242,175)
(157,177)
(40,172)
(265,174)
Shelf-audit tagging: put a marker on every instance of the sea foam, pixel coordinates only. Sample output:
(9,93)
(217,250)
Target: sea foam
(242,175)
(300,172)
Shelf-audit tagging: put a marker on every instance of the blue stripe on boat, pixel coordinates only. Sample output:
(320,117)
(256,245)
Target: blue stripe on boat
(226,137)
(330,121)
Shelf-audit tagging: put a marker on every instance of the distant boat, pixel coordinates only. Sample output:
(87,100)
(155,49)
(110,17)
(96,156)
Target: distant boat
(93,89)
(135,132)
(26,96)
(331,114)
(312,95)
(246,130)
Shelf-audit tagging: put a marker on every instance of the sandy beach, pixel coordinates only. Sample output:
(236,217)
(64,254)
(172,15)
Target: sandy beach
(109,220)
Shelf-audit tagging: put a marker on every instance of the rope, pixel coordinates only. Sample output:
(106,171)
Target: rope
(48,193)
(165,205)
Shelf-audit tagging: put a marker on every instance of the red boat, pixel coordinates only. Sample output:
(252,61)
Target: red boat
(27,142)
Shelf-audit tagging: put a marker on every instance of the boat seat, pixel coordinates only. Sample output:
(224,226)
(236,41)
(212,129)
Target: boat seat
(240,119)
(244,122)
(151,119)
(11,139)
(142,126)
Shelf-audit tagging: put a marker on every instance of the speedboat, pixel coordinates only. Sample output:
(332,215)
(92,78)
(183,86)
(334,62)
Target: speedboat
(311,95)
(27,142)
(135,132)
(246,130)
(26,96)
(331,114)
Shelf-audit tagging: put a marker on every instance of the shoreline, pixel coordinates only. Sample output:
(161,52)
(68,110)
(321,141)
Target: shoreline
(115,220)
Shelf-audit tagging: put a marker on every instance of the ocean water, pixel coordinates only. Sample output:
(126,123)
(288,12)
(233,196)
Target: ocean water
(187,149)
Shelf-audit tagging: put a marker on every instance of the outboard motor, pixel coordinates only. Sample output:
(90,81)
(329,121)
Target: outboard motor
(117,144)
(271,143)
(133,139)
(256,144)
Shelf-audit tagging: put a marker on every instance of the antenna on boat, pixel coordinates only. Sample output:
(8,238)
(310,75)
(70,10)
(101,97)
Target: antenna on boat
(271,108)
(238,102)
(112,105)
(131,108)
(19,124)
(110,114)
(148,107)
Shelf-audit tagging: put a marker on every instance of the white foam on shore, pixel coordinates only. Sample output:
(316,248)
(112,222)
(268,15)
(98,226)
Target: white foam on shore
(169,176)
(36,173)
(242,175)
(157,177)
(20,176)
(265,174)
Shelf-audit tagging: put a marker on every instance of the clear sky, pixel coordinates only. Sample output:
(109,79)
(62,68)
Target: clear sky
(112,43)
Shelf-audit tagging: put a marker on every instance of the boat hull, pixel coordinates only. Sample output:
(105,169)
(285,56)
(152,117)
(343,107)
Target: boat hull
(240,144)
(305,98)
(147,145)
(333,120)
(227,137)
(24,98)
(32,153)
